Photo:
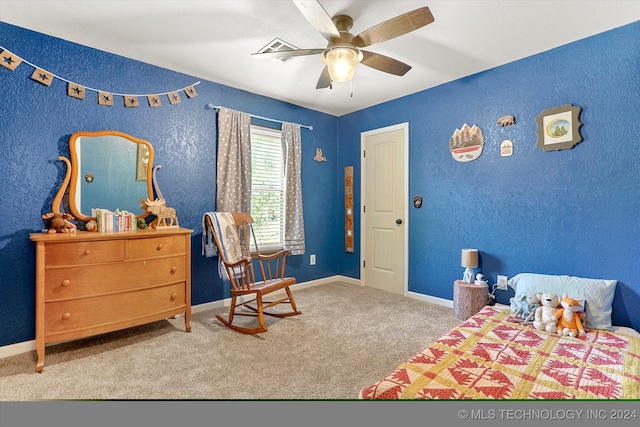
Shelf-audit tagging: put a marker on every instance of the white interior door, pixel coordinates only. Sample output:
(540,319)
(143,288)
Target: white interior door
(384,210)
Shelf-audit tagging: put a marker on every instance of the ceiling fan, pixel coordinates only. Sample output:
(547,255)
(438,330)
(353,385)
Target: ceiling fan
(343,52)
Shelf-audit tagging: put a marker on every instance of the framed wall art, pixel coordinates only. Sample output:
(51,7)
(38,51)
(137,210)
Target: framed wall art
(559,128)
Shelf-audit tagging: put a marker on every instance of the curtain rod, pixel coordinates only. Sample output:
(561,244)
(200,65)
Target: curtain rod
(217,107)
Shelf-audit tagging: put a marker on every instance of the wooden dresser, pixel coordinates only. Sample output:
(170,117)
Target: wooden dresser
(89,283)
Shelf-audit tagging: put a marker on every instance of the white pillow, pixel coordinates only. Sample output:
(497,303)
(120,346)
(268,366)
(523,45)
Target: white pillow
(597,293)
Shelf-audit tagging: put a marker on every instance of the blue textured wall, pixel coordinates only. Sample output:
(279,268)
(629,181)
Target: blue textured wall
(574,212)
(37,121)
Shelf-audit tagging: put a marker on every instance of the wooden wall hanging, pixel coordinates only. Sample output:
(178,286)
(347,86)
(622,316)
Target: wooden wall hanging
(466,143)
(348,209)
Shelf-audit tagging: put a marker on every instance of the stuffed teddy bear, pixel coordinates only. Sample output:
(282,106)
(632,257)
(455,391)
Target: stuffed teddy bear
(524,306)
(569,318)
(59,222)
(545,318)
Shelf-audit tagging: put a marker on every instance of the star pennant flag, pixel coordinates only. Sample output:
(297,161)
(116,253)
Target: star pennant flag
(9,60)
(75,90)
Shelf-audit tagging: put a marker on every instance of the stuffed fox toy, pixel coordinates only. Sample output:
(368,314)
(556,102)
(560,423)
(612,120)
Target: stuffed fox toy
(569,318)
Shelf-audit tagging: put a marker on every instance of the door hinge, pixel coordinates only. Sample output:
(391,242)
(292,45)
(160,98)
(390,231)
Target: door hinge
(364,208)
(364,153)
(364,264)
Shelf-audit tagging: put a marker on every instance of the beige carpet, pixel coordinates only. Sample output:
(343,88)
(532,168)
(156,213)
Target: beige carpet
(346,338)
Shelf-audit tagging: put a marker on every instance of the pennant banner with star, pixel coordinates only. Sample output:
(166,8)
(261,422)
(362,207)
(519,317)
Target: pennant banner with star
(75,90)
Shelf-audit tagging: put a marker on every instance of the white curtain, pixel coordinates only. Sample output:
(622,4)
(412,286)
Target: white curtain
(233,178)
(294,222)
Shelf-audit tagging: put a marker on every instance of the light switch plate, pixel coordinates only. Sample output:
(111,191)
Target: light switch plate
(502,282)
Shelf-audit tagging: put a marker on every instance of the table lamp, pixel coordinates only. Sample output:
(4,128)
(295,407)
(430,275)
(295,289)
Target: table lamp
(469,261)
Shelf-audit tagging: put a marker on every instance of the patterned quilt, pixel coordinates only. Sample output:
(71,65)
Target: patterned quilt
(489,356)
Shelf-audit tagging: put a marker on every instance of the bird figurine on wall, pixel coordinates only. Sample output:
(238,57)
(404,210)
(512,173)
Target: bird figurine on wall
(319,157)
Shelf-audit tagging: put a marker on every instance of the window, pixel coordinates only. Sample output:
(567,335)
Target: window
(267,187)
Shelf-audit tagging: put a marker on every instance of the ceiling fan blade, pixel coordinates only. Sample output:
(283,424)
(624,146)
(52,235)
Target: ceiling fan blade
(394,27)
(384,63)
(313,11)
(286,53)
(324,80)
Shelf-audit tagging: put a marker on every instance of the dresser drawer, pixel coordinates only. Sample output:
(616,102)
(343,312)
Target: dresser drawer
(156,247)
(81,253)
(74,282)
(99,312)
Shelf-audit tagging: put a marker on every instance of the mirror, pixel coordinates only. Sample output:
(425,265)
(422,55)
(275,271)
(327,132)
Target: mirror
(110,170)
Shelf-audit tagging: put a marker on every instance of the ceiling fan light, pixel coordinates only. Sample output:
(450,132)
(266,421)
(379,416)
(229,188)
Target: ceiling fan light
(341,62)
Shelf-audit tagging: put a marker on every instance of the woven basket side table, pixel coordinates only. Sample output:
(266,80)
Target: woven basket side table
(468,298)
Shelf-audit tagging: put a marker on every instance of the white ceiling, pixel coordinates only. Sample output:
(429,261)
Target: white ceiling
(214,39)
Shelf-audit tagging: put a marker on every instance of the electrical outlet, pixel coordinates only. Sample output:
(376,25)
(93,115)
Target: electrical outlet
(502,282)
(312,259)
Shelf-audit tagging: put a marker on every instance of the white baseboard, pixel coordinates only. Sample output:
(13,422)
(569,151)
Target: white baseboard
(433,300)
(27,346)
(17,348)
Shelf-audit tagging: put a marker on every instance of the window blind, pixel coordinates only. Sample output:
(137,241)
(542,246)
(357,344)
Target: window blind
(267,197)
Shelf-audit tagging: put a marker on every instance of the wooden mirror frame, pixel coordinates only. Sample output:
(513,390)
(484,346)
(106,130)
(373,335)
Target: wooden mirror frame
(73,172)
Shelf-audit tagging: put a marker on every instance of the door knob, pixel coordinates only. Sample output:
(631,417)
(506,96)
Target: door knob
(398,221)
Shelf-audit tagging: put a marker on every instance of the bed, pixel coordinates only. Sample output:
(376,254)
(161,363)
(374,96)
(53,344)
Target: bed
(493,356)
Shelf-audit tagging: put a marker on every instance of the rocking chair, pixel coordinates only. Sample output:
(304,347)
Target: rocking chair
(232,233)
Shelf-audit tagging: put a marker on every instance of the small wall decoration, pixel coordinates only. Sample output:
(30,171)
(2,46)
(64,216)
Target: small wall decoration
(506,148)
(348,209)
(559,128)
(9,60)
(131,101)
(105,98)
(466,143)
(506,121)
(75,91)
(154,100)
(319,157)
(174,98)
(190,91)
(43,77)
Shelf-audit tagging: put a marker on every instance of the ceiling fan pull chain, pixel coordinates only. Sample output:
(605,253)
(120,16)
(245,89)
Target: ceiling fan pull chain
(351,82)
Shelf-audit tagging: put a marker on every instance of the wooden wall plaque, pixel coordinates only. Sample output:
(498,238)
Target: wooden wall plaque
(348,209)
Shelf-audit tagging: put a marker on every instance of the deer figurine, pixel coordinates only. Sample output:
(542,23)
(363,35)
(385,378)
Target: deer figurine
(165,217)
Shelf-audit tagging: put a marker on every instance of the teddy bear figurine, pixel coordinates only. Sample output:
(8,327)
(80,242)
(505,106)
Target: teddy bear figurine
(545,317)
(524,306)
(569,317)
(59,222)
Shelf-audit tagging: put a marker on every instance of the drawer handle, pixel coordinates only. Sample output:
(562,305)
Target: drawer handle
(66,282)
(66,316)
(174,269)
(174,296)
(159,247)
(87,252)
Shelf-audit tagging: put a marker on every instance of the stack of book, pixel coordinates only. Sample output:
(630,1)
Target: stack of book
(114,221)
